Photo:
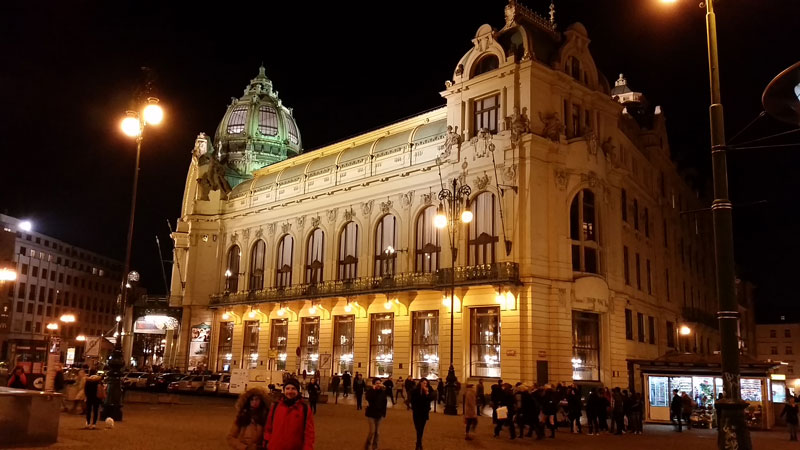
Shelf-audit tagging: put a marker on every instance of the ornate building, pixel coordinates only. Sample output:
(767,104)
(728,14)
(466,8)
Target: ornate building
(577,258)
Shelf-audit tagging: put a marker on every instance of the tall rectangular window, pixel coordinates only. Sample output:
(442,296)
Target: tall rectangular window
(278,341)
(381,344)
(225,347)
(343,343)
(21,292)
(640,326)
(666,279)
(649,279)
(646,222)
(309,344)
(628,324)
(651,329)
(624,206)
(485,342)
(585,346)
(635,214)
(627,265)
(485,114)
(666,234)
(638,272)
(425,344)
(250,349)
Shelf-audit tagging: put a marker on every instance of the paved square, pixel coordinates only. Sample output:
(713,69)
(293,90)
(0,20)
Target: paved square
(202,422)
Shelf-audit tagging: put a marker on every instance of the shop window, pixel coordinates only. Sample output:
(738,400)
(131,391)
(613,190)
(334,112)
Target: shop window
(283,271)
(428,248)
(225,347)
(425,344)
(583,233)
(485,342)
(257,255)
(278,341)
(585,346)
(250,349)
(309,344)
(385,246)
(482,233)
(381,344)
(315,250)
(348,252)
(232,270)
(343,329)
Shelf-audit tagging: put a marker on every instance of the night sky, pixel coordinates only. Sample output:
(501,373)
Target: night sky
(71,69)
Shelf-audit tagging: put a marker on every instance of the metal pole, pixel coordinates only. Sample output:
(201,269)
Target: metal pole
(733,432)
(451,403)
(113,406)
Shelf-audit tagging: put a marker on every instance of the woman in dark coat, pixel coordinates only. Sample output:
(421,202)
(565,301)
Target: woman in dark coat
(421,397)
(506,399)
(574,408)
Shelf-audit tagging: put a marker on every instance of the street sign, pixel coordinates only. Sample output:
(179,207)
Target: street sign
(324,361)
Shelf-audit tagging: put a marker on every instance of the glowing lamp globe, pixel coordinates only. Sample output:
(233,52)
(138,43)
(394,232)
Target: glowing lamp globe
(440,221)
(466,216)
(153,114)
(131,126)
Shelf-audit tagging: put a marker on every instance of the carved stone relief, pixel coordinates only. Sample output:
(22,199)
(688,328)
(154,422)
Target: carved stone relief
(386,206)
(590,178)
(427,199)
(349,214)
(561,178)
(286,227)
(331,213)
(553,128)
(315,221)
(271,229)
(301,222)
(510,174)
(481,181)
(259,233)
(366,207)
(407,199)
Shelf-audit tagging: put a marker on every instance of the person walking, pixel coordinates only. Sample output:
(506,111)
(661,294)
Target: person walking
(481,396)
(605,406)
(409,386)
(637,408)
(358,389)
(470,405)
(389,385)
(18,380)
(398,390)
(506,400)
(91,389)
(676,410)
(790,411)
(335,380)
(550,409)
(80,395)
(687,405)
(247,431)
(495,395)
(289,425)
(347,381)
(593,405)
(421,397)
(314,389)
(375,412)
(574,408)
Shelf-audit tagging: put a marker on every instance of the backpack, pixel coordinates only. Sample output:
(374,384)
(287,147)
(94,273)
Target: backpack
(305,416)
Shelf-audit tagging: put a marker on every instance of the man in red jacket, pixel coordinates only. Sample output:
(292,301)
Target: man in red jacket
(290,425)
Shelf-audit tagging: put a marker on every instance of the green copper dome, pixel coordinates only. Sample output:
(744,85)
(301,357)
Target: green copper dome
(256,131)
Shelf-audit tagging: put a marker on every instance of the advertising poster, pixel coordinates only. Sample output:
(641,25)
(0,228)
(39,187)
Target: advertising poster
(198,346)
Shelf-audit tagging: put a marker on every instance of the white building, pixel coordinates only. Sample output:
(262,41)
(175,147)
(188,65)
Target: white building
(576,261)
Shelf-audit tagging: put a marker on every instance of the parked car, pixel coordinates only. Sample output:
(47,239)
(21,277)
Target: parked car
(224,385)
(162,382)
(192,383)
(218,384)
(211,384)
(135,380)
(175,385)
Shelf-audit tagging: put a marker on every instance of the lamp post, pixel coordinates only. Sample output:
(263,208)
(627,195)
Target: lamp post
(133,125)
(453,207)
(733,432)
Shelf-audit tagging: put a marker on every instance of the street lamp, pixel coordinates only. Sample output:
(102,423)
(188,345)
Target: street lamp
(454,203)
(133,125)
(733,432)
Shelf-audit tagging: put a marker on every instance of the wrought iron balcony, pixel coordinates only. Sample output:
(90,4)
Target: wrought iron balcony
(498,273)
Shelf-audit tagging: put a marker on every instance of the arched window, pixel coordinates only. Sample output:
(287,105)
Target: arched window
(232,269)
(575,64)
(385,246)
(314,256)
(583,233)
(348,251)
(257,265)
(283,272)
(291,127)
(482,235)
(428,245)
(267,120)
(237,119)
(485,64)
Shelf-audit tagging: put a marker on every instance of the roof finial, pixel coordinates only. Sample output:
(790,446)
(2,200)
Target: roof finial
(552,12)
(261,70)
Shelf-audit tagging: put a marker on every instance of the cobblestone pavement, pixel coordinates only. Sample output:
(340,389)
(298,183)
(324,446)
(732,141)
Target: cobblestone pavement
(201,423)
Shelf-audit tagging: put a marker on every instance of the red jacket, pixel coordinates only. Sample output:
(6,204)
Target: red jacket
(284,428)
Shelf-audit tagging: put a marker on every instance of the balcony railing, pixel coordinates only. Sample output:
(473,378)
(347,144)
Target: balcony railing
(498,273)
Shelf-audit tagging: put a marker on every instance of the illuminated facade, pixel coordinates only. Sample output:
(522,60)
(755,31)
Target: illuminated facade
(576,260)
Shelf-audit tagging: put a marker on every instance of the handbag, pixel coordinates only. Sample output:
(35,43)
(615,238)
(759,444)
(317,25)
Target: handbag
(502,413)
(101,391)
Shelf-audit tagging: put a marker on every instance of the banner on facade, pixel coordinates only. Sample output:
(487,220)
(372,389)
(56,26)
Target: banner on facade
(198,346)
